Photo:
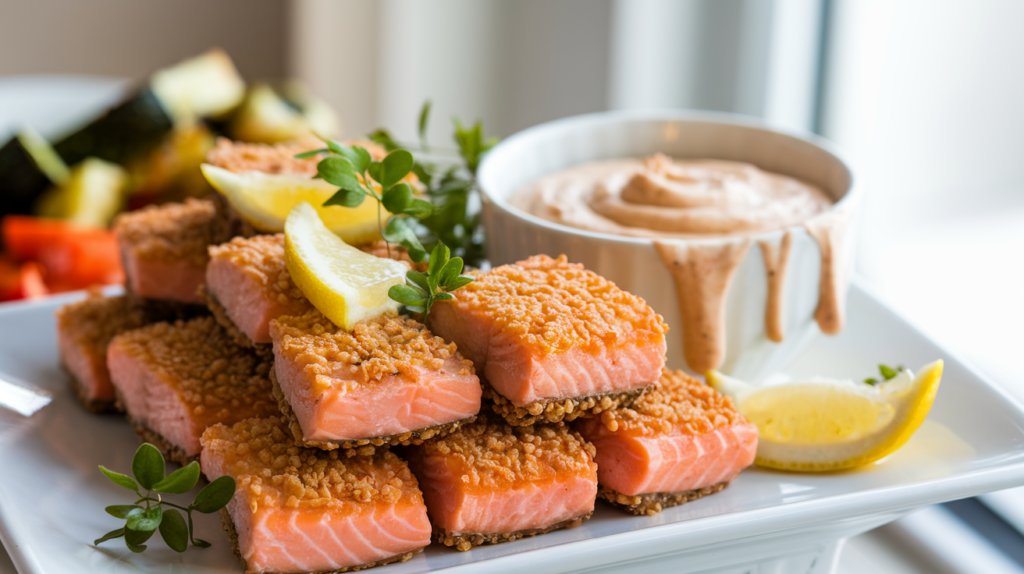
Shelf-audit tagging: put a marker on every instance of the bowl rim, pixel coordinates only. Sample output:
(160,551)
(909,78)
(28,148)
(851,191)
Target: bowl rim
(647,115)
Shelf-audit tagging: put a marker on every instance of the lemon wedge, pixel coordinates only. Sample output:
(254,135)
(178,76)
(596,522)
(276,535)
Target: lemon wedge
(828,424)
(266,199)
(344,283)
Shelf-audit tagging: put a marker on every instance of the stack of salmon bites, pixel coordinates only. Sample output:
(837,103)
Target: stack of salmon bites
(505,413)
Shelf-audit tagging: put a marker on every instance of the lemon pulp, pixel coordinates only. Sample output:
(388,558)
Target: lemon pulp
(803,413)
(344,283)
(824,425)
(266,199)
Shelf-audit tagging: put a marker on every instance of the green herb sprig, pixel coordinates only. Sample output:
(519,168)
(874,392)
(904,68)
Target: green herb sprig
(450,188)
(147,514)
(421,290)
(887,374)
(353,170)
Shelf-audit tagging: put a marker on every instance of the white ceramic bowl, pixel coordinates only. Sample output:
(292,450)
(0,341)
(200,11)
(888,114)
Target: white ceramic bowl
(633,263)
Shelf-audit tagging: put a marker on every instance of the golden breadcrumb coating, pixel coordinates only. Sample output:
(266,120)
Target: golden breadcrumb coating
(262,258)
(264,460)
(375,348)
(170,232)
(554,305)
(490,454)
(239,157)
(95,320)
(212,374)
(677,403)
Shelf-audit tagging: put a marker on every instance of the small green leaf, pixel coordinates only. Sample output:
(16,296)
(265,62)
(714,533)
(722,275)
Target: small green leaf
(109,536)
(145,521)
(418,208)
(374,170)
(174,531)
(136,539)
(407,294)
(444,297)
(123,510)
(438,259)
(398,230)
(357,155)
(148,466)
(418,278)
(395,166)
(199,542)
(384,138)
(424,118)
(337,170)
(346,198)
(886,371)
(449,273)
(423,173)
(337,147)
(460,281)
(398,198)
(180,481)
(311,153)
(871,381)
(120,479)
(215,495)
(416,308)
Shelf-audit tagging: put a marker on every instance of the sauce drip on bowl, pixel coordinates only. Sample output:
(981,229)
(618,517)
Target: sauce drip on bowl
(718,203)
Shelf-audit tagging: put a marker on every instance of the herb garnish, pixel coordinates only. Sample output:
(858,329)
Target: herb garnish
(421,290)
(887,374)
(143,521)
(450,188)
(353,170)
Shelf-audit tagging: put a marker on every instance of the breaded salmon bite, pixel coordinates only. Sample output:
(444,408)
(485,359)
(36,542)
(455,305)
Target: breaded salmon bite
(492,482)
(552,340)
(164,249)
(176,379)
(301,509)
(388,381)
(84,329)
(679,442)
(248,285)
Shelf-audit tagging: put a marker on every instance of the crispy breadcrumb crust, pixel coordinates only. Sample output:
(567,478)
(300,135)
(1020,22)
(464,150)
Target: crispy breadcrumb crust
(261,259)
(170,232)
(214,377)
(375,348)
(165,309)
(551,306)
(678,403)
(559,410)
(94,406)
(653,503)
(464,541)
(227,222)
(366,445)
(229,526)
(277,473)
(91,323)
(170,451)
(239,157)
(490,454)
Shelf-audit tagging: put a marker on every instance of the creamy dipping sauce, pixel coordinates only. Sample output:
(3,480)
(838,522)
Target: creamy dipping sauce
(661,197)
(673,200)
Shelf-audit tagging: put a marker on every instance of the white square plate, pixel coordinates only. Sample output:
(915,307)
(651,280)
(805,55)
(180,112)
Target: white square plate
(52,495)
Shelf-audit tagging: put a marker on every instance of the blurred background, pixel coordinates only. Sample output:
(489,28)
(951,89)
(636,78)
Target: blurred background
(923,96)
